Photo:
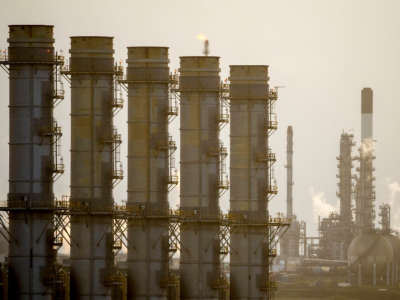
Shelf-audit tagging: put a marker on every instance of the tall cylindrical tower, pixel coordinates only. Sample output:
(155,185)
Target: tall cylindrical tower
(199,93)
(345,194)
(345,165)
(365,213)
(30,198)
(249,180)
(92,144)
(148,153)
(289,172)
(290,242)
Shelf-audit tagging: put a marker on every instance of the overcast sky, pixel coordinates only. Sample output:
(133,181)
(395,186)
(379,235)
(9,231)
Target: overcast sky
(323,51)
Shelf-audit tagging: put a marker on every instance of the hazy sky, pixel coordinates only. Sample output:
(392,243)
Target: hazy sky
(323,51)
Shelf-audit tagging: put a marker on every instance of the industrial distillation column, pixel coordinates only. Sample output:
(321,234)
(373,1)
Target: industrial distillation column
(31,165)
(148,149)
(249,180)
(199,93)
(345,192)
(345,165)
(92,136)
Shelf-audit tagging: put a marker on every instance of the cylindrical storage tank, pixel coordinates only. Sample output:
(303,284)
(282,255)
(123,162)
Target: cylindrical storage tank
(92,71)
(31,60)
(199,97)
(147,77)
(367,250)
(249,178)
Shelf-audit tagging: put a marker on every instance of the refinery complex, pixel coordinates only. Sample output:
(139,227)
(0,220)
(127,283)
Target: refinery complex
(195,251)
(349,251)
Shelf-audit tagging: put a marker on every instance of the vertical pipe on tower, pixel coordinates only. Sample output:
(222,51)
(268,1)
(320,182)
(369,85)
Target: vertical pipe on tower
(249,180)
(147,77)
(199,93)
(31,60)
(92,71)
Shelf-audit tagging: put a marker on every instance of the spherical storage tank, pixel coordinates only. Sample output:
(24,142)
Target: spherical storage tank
(368,249)
(395,242)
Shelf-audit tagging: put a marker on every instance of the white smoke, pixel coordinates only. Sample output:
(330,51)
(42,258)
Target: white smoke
(394,202)
(321,207)
(367,146)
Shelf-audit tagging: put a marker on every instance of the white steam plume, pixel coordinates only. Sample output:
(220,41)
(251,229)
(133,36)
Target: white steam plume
(394,202)
(321,207)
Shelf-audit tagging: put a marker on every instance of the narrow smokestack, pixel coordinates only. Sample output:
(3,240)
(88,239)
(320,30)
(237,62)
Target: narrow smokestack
(365,193)
(206,50)
(289,170)
(366,114)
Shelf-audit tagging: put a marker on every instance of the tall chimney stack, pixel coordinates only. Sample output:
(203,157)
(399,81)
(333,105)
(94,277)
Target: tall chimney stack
(365,188)
(289,172)
(366,114)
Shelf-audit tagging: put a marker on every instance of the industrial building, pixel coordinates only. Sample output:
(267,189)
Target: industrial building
(90,221)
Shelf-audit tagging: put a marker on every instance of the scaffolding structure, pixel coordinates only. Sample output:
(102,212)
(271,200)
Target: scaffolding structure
(384,213)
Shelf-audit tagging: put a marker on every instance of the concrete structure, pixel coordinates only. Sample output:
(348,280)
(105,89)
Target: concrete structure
(148,171)
(92,166)
(199,93)
(250,180)
(32,63)
(365,191)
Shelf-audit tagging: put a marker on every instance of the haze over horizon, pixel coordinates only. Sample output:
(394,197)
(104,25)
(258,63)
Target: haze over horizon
(323,52)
